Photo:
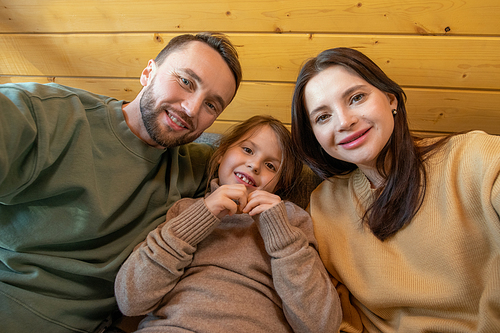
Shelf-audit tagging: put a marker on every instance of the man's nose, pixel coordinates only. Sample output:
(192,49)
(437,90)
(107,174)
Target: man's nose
(192,105)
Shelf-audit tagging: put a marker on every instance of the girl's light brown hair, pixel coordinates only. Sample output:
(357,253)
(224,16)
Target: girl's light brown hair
(290,167)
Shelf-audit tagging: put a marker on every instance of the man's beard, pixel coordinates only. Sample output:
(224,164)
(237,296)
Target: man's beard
(166,137)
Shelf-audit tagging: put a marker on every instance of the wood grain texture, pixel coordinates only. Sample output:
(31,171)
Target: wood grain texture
(459,62)
(429,17)
(444,53)
(431,110)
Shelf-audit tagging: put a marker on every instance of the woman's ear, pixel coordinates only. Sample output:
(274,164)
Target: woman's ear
(393,101)
(148,73)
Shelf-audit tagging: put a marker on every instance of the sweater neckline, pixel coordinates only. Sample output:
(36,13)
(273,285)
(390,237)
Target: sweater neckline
(128,139)
(362,186)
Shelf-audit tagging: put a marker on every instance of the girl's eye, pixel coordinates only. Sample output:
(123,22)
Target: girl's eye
(271,166)
(247,150)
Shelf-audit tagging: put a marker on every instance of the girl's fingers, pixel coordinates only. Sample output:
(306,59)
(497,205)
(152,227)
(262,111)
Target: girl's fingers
(227,199)
(259,201)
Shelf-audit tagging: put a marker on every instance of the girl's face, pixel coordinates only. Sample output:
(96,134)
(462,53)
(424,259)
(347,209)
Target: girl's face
(351,119)
(253,161)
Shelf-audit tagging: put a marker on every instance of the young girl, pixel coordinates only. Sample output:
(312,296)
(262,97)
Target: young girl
(239,260)
(408,228)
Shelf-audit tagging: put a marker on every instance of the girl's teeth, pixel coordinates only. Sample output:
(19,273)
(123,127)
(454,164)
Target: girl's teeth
(245,179)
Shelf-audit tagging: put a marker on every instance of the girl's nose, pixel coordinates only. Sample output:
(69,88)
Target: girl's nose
(253,166)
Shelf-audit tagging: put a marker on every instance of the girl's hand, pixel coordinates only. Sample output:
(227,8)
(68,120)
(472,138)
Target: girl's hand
(259,201)
(227,199)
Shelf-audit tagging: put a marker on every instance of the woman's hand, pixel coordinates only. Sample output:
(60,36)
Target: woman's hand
(259,201)
(227,199)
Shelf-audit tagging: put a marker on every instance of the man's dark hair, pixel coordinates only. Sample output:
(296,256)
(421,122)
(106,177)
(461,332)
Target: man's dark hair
(218,41)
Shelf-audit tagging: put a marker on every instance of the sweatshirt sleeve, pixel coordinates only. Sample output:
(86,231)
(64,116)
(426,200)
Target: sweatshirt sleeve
(18,136)
(310,301)
(157,264)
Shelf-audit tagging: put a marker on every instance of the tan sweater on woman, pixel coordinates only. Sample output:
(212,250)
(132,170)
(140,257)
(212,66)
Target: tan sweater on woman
(440,273)
(196,273)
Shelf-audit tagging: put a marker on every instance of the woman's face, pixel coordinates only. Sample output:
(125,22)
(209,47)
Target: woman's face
(253,161)
(351,119)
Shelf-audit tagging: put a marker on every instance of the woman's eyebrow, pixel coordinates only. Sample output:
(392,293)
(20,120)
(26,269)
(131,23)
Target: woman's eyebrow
(345,94)
(352,89)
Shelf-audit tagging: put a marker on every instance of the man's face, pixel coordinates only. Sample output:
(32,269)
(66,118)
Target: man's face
(185,94)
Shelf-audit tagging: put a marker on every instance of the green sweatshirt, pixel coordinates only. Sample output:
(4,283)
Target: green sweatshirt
(78,191)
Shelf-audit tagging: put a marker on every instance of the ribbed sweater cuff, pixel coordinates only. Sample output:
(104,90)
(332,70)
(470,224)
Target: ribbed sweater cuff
(194,224)
(276,230)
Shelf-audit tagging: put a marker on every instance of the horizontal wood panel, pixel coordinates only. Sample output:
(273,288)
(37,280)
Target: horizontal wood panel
(455,62)
(452,17)
(430,110)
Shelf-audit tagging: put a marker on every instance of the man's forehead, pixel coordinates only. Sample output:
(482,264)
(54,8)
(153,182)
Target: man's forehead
(205,70)
(190,48)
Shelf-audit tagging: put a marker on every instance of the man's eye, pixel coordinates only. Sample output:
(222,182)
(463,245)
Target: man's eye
(185,81)
(211,106)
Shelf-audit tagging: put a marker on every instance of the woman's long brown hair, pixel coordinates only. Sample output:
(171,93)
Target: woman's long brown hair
(400,162)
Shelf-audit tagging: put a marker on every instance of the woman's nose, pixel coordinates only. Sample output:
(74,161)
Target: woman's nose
(346,120)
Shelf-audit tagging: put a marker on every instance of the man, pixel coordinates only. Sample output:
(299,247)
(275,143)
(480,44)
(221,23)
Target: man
(84,178)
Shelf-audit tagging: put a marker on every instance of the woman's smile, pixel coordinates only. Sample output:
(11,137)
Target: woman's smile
(351,119)
(354,140)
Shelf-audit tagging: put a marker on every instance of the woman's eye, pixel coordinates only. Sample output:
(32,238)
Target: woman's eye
(322,118)
(357,98)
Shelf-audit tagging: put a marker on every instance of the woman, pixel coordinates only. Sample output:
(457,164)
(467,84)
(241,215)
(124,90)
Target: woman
(408,228)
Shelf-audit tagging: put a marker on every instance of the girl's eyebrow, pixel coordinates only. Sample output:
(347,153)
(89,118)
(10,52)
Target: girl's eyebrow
(255,147)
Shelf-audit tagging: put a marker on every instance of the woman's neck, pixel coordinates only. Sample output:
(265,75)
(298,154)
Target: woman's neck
(374,177)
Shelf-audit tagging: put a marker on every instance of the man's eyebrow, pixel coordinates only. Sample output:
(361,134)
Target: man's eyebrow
(198,79)
(191,73)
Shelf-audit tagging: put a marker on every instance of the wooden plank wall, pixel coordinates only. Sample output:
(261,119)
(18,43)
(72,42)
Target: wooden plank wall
(445,53)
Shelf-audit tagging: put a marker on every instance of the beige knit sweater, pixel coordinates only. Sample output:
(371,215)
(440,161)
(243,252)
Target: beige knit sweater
(441,273)
(198,273)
